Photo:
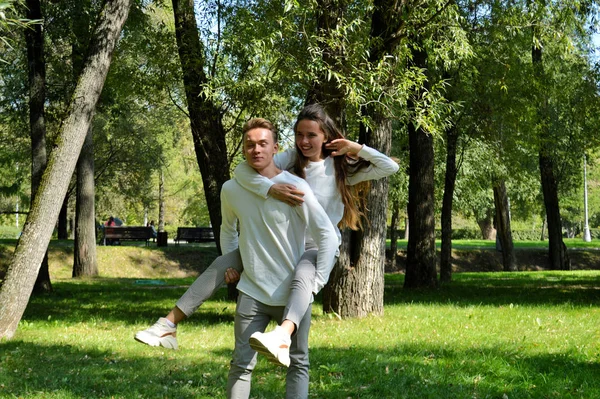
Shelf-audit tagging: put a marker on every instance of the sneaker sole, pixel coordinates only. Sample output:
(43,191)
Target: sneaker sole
(165,342)
(259,347)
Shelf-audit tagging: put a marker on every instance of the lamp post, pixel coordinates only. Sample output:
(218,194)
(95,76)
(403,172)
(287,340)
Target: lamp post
(586,230)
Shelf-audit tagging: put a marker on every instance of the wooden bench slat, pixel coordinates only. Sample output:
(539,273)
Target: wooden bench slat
(131,233)
(194,234)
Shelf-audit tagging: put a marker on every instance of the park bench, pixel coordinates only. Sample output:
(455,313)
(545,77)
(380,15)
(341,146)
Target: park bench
(194,234)
(131,233)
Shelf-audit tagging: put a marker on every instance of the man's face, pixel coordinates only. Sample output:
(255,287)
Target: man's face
(259,148)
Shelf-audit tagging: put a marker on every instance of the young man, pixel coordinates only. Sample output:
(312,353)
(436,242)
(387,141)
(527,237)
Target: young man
(271,242)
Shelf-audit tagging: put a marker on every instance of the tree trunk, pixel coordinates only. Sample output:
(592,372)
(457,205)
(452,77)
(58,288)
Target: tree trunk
(406,226)
(503,230)
(420,255)
(63,223)
(394,224)
(543,236)
(449,184)
(37,231)
(355,287)
(205,118)
(556,247)
(161,202)
(36,63)
(486,225)
(84,259)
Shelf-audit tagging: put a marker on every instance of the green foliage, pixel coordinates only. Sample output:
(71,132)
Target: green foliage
(11,24)
(263,57)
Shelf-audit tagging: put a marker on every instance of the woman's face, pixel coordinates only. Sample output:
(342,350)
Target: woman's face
(310,139)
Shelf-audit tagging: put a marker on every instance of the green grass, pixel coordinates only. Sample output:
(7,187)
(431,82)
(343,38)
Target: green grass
(485,335)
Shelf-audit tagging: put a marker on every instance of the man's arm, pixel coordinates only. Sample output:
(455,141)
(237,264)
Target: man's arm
(321,230)
(229,234)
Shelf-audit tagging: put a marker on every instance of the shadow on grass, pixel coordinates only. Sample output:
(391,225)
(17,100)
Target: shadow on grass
(399,371)
(499,289)
(68,371)
(122,300)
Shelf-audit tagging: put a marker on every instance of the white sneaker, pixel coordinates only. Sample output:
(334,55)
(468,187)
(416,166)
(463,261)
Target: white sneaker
(160,334)
(275,345)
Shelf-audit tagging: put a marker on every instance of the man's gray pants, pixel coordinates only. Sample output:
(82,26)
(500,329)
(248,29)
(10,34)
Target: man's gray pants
(252,316)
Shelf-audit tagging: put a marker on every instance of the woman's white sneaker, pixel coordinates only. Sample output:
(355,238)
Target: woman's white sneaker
(275,345)
(160,334)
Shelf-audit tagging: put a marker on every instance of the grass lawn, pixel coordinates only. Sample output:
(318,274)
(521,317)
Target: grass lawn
(485,335)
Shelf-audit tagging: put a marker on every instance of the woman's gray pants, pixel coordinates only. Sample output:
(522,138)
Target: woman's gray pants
(214,277)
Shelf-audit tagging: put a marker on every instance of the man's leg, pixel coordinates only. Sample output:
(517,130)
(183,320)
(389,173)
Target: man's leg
(250,316)
(297,375)
(164,331)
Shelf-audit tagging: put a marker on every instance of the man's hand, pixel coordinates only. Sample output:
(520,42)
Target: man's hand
(344,147)
(231,276)
(286,193)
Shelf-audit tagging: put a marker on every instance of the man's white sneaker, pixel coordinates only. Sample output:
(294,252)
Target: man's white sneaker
(275,345)
(160,334)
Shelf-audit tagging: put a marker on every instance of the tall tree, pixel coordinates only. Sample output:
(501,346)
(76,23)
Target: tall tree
(420,254)
(84,254)
(447,202)
(36,63)
(206,119)
(556,247)
(355,287)
(16,290)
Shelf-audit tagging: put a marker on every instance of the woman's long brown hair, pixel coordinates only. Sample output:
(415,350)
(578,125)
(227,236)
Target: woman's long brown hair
(353,197)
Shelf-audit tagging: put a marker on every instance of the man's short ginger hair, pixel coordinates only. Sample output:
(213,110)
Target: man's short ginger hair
(261,123)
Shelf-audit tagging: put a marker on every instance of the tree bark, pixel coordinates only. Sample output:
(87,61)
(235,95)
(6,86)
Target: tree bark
(63,224)
(420,255)
(543,236)
(36,64)
(205,118)
(84,258)
(449,184)
(37,231)
(486,225)
(556,247)
(394,224)
(161,202)
(503,230)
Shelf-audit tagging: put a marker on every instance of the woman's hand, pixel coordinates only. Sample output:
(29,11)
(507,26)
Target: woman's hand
(344,147)
(232,276)
(286,193)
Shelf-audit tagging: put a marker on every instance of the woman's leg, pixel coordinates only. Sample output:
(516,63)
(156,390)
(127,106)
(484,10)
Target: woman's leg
(301,294)
(209,282)
(164,331)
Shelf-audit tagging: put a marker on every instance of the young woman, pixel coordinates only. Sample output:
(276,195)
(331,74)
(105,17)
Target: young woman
(334,168)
